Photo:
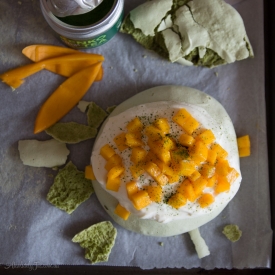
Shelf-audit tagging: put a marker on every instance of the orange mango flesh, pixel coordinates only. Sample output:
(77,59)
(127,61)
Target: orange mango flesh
(244,146)
(89,173)
(201,163)
(65,97)
(122,212)
(15,77)
(39,53)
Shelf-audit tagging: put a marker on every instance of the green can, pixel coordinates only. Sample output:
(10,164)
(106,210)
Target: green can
(89,30)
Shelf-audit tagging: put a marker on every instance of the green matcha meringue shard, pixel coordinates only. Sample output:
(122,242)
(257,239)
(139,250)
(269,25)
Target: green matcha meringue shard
(191,32)
(70,189)
(98,241)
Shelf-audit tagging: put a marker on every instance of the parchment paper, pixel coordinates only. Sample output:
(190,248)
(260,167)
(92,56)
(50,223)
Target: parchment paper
(34,232)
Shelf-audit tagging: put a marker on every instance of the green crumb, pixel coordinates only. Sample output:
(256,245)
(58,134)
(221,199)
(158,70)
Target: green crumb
(70,189)
(95,115)
(98,241)
(232,232)
(161,243)
(71,132)
(110,109)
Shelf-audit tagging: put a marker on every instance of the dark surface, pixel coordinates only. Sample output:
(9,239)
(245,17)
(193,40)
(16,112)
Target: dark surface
(269,9)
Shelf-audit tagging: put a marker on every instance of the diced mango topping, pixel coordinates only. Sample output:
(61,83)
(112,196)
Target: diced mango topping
(107,151)
(133,140)
(122,212)
(207,137)
(120,142)
(131,188)
(155,193)
(192,160)
(140,199)
(206,200)
(134,125)
(113,161)
(244,146)
(177,200)
(113,184)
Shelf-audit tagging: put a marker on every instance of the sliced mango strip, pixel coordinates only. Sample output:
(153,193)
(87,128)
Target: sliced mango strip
(41,52)
(65,97)
(15,77)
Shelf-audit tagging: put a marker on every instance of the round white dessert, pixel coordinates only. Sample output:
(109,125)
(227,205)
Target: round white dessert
(160,219)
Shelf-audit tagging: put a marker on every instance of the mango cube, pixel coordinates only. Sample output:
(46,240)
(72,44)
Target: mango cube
(190,125)
(107,151)
(161,179)
(244,152)
(155,193)
(113,184)
(135,125)
(208,170)
(186,140)
(173,178)
(211,181)
(186,168)
(222,185)
(140,199)
(212,156)
(131,188)
(137,170)
(120,142)
(199,185)
(112,162)
(187,190)
(199,152)
(207,137)
(151,156)
(166,143)
(115,172)
(181,116)
(133,140)
(221,152)
(163,125)
(160,152)
(177,200)
(194,176)
(205,200)
(153,133)
(89,173)
(179,155)
(222,167)
(138,155)
(243,141)
(122,212)
(152,169)
(232,175)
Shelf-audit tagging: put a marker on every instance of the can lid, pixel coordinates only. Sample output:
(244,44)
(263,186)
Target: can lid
(83,32)
(62,8)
